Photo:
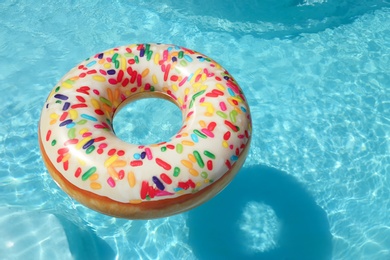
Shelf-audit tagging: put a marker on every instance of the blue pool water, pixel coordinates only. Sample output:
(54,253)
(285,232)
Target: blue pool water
(316,183)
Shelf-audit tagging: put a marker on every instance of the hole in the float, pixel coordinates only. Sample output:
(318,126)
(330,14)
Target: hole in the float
(147,121)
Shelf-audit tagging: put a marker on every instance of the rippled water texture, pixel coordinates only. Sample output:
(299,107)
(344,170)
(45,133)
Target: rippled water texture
(316,181)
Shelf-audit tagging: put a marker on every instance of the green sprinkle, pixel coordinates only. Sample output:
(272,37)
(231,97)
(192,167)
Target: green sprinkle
(53,143)
(197,94)
(57,88)
(208,154)
(176,171)
(191,103)
(163,149)
(198,159)
(181,54)
(90,149)
(114,57)
(183,63)
(222,114)
(82,122)
(204,175)
(136,59)
(152,88)
(200,134)
(149,55)
(105,101)
(88,173)
(72,133)
(117,64)
(179,148)
(233,115)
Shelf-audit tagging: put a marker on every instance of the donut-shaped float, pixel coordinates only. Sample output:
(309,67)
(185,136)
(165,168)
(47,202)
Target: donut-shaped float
(138,181)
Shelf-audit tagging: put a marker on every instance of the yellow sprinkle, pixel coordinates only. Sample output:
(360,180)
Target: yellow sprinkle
(116,94)
(94,177)
(204,76)
(154,79)
(73,114)
(110,160)
(186,163)
(131,179)
(52,122)
(220,87)
(186,91)
(202,123)
(82,142)
(135,201)
(123,63)
(74,78)
(95,103)
(206,181)
(145,72)
(225,144)
(180,101)
(112,172)
(119,163)
(101,61)
(81,162)
(107,65)
(95,185)
(66,157)
(184,134)
(156,58)
(189,143)
(83,130)
(99,78)
(174,87)
(209,107)
(66,85)
(194,172)
(53,116)
(192,158)
(208,114)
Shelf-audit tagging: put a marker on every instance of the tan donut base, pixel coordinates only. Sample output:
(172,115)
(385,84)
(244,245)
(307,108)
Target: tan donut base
(144,210)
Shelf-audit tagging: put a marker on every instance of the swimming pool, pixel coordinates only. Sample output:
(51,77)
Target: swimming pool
(316,181)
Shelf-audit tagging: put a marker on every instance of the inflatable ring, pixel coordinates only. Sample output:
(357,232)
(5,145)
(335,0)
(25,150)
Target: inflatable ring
(99,170)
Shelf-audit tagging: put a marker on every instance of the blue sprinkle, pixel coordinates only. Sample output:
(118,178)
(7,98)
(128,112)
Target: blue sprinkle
(66,106)
(88,144)
(143,155)
(187,58)
(174,59)
(194,138)
(234,158)
(71,125)
(226,77)
(231,92)
(142,52)
(66,122)
(100,56)
(158,183)
(137,156)
(60,96)
(91,63)
(243,109)
(190,76)
(88,117)
(111,72)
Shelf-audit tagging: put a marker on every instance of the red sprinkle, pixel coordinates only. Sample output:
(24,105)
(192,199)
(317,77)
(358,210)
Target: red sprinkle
(144,189)
(63,150)
(211,126)
(209,165)
(48,135)
(226,136)
(77,172)
(121,174)
(165,178)
(71,141)
(230,124)
(163,164)
(136,163)
(111,152)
